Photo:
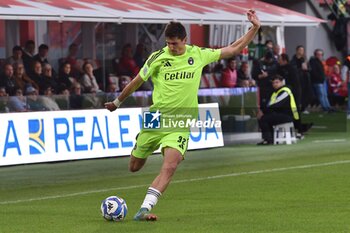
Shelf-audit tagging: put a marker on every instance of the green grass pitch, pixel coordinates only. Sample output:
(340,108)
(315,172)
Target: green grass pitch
(242,188)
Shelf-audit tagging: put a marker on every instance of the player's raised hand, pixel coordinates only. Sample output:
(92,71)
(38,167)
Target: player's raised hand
(253,18)
(110,106)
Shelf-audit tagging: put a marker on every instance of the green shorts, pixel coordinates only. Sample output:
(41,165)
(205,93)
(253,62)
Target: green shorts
(149,141)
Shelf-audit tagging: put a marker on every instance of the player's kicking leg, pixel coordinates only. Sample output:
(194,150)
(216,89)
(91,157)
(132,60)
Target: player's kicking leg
(172,158)
(136,164)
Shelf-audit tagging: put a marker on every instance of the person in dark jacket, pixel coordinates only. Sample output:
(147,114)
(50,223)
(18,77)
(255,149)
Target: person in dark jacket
(28,55)
(280,109)
(290,75)
(262,72)
(318,78)
(65,77)
(7,80)
(299,61)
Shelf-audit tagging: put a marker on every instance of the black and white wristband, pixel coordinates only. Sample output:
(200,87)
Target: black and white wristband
(117,103)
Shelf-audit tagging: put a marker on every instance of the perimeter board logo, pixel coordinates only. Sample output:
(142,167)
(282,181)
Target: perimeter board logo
(151,120)
(36,136)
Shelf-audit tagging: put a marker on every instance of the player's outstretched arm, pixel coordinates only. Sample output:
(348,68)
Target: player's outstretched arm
(236,47)
(128,90)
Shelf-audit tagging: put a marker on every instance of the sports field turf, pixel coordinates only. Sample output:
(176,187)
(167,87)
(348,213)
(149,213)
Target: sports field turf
(241,188)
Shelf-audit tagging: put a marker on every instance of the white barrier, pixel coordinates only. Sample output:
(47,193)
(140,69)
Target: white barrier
(35,137)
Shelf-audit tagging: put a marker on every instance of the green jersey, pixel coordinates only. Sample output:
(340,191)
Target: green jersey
(176,79)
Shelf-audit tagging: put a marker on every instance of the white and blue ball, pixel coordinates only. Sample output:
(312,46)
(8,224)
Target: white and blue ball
(114,208)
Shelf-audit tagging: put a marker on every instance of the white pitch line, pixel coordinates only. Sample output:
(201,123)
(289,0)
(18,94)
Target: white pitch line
(179,181)
(330,140)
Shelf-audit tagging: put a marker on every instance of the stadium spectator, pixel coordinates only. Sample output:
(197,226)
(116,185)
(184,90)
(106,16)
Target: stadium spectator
(318,79)
(91,100)
(18,103)
(328,65)
(98,72)
(112,88)
(262,72)
(244,77)
(300,62)
(139,55)
(28,55)
(62,99)
(209,79)
(292,81)
(218,67)
(65,77)
(7,79)
(345,69)
(16,56)
(205,78)
(3,100)
(276,51)
(127,65)
(36,74)
(42,54)
(3,92)
(337,88)
(268,47)
(47,100)
(88,80)
(21,78)
(49,80)
(132,100)
(229,74)
(290,76)
(280,109)
(76,98)
(73,60)
(173,96)
(123,82)
(346,77)
(33,100)
(42,57)
(139,58)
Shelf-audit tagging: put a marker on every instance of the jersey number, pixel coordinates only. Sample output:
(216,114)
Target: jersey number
(182,142)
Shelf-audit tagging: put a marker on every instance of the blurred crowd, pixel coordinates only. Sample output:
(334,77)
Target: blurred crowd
(28,81)
(317,83)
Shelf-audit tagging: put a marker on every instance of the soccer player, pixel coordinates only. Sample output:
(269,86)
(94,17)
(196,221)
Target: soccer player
(176,71)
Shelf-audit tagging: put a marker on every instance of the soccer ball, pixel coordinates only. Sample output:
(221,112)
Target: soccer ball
(114,208)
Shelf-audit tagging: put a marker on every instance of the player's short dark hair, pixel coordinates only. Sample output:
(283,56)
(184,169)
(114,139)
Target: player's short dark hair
(175,29)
